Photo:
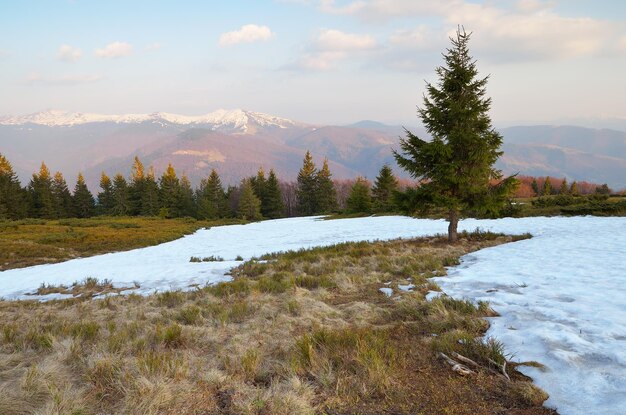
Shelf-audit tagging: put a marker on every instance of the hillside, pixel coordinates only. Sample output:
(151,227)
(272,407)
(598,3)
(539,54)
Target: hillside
(237,142)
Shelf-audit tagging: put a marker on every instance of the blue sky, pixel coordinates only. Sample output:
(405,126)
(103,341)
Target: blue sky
(318,61)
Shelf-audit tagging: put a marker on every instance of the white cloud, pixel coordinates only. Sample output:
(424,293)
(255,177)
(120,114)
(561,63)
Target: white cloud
(336,40)
(247,34)
(154,46)
(68,53)
(38,79)
(115,50)
(3,53)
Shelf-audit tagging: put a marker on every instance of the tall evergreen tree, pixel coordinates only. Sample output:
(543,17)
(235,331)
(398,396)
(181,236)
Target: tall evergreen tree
(41,197)
(547,187)
(307,187)
(169,193)
(456,167)
(186,206)
(84,204)
(359,200)
(105,197)
(63,201)
(13,202)
(121,196)
(382,192)
(211,198)
(573,190)
(136,187)
(150,203)
(564,189)
(249,204)
(535,186)
(326,193)
(258,185)
(273,207)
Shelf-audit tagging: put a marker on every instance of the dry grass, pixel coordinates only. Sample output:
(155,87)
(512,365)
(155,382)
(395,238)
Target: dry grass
(305,332)
(36,241)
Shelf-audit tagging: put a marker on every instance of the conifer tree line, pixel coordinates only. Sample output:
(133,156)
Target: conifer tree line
(262,196)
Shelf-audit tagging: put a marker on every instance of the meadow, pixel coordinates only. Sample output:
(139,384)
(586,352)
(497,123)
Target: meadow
(300,332)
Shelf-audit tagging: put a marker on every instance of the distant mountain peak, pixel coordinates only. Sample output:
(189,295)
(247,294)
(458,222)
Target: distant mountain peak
(239,120)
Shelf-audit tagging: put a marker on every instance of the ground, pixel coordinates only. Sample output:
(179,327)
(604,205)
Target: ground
(37,241)
(295,333)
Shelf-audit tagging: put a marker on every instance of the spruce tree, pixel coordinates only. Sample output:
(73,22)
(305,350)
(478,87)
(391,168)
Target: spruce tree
(547,187)
(150,203)
(307,187)
(211,198)
(258,183)
(359,200)
(63,201)
(456,167)
(13,202)
(382,192)
(40,192)
(136,188)
(573,190)
(274,207)
(105,197)
(535,186)
(169,193)
(564,189)
(326,193)
(84,204)
(121,196)
(249,204)
(186,206)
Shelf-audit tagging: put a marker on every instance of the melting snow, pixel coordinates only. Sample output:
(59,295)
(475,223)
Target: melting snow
(561,295)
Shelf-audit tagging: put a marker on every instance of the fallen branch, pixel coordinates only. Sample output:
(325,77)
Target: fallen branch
(502,368)
(456,366)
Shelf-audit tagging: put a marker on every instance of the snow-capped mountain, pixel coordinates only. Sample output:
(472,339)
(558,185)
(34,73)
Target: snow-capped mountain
(241,120)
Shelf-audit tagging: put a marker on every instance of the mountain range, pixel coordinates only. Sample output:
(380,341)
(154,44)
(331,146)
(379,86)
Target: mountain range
(238,142)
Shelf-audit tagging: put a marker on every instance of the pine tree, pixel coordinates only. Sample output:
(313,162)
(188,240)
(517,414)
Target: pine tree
(547,187)
(307,187)
(186,206)
(382,192)
(63,201)
(274,207)
(13,203)
(150,203)
(105,197)
(40,191)
(212,201)
(258,183)
(136,188)
(249,204)
(573,190)
(326,193)
(121,196)
(84,204)
(535,186)
(455,168)
(564,189)
(359,200)
(169,193)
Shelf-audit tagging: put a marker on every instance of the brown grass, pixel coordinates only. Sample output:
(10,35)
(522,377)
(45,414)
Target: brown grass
(303,333)
(36,241)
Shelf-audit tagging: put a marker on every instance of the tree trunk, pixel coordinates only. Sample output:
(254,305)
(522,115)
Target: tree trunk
(453,218)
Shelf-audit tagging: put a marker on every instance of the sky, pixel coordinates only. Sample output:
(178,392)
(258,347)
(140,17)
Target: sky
(317,61)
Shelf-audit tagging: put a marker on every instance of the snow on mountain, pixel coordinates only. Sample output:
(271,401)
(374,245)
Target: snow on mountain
(237,119)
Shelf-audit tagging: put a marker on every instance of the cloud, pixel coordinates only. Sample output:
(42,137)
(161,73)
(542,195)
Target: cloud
(115,50)
(68,53)
(4,53)
(527,30)
(154,46)
(247,34)
(68,80)
(329,47)
(336,40)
